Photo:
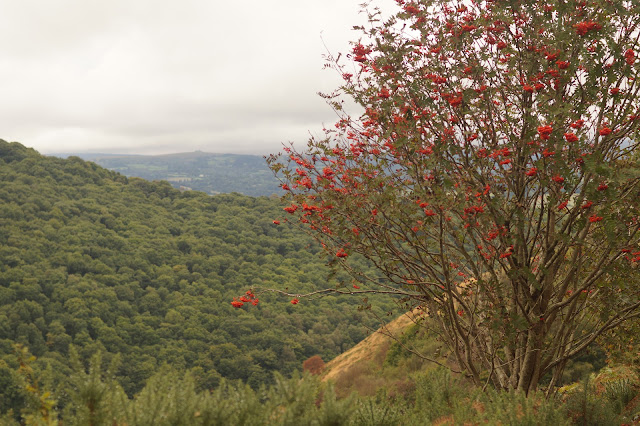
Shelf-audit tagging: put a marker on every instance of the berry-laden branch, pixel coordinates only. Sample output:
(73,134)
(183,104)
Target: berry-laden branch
(492,178)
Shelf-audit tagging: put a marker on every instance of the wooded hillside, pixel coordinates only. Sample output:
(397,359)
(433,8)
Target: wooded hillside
(121,265)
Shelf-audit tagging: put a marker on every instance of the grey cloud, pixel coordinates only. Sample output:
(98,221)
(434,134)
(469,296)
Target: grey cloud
(149,75)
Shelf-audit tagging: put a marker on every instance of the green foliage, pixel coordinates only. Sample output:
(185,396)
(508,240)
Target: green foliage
(517,408)
(376,413)
(441,397)
(620,393)
(416,338)
(40,403)
(592,360)
(605,398)
(439,394)
(585,407)
(171,398)
(92,393)
(13,393)
(118,265)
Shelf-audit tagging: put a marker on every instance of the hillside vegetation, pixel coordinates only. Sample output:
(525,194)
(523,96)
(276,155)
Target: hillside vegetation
(434,396)
(118,265)
(121,290)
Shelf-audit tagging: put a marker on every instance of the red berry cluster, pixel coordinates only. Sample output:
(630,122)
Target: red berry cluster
(248,297)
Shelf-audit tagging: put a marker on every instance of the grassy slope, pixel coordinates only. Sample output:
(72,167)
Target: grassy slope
(382,361)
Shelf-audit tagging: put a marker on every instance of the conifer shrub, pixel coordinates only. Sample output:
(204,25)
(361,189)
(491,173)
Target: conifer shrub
(92,396)
(585,407)
(620,393)
(376,412)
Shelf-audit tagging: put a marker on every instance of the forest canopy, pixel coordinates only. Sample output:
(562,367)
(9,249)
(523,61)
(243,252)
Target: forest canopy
(119,265)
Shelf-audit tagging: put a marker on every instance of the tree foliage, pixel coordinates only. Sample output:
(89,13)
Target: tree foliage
(313,365)
(118,265)
(437,397)
(493,176)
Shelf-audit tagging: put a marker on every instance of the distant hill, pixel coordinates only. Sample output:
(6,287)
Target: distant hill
(200,171)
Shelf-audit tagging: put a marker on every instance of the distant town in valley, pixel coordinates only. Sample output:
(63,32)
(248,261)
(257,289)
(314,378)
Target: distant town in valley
(198,171)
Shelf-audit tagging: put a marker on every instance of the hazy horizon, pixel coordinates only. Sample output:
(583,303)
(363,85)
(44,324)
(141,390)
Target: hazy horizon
(125,154)
(144,77)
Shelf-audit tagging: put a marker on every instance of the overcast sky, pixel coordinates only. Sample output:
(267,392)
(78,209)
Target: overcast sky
(161,76)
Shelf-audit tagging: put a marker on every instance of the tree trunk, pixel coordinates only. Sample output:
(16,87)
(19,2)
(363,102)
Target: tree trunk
(530,371)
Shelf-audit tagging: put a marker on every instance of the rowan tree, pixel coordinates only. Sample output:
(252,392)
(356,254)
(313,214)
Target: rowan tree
(492,177)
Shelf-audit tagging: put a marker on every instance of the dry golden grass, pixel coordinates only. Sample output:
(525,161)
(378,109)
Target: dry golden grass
(360,369)
(373,348)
